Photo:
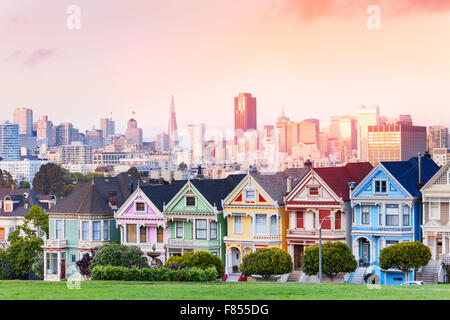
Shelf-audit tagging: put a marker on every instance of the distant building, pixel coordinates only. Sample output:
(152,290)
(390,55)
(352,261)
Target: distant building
(133,134)
(108,158)
(196,140)
(65,133)
(367,116)
(244,113)
(440,156)
(162,142)
(94,138)
(23,170)
(45,131)
(23,117)
(75,153)
(9,141)
(437,137)
(108,127)
(172,128)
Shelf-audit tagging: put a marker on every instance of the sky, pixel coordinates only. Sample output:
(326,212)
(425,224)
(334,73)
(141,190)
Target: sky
(314,57)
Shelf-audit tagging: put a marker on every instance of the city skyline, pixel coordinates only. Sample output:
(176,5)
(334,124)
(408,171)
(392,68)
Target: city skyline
(278,51)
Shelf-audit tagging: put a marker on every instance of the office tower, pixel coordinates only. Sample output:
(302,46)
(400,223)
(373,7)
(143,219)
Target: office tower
(348,132)
(437,137)
(44,131)
(395,142)
(108,127)
(367,116)
(244,113)
(75,153)
(133,134)
(24,118)
(405,118)
(9,141)
(308,131)
(172,129)
(65,133)
(323,144)
(196,139)
(282,132)
(94,138)
(162,142)
(317,124)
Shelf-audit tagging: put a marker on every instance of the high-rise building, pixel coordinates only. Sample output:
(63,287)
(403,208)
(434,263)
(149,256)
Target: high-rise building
(94,138)
(437,137)
(395,142)
(282,132)
(244,113)
(133,134)
(24,118)
(44,131)
(196,139)
(172,129)
(9,141)
(108,127)
(162,142)
(308,131)
(76,153)
(367,116)
(65,133)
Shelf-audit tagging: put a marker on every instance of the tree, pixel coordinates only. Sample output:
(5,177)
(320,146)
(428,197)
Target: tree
(115,254)
(337,258)
(133,171)
(266,263)
(182,166)
(405,256)
(6,179)
(24,185)
(51,179)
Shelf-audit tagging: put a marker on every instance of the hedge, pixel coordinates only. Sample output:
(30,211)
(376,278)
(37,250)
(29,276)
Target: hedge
(157,274)
(197,259)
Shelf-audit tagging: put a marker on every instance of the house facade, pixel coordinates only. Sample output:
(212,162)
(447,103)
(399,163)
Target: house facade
(436,218)
(83,222)
(322,197)
(387,208)
(255,215)
(195,216)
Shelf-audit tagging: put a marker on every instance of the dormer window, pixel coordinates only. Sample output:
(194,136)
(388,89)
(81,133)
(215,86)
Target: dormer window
(313,191)
(380,186)
(140,206)
(190,201)
(250,195)
(112,198)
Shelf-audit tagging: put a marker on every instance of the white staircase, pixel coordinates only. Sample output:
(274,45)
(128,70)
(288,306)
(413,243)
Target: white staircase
(294,276)
(429,271)
(233,277)
(358,275)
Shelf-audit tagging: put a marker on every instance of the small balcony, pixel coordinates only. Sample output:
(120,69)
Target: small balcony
(180,243)
(55,243)
(265,238)
(376,229)
(315,233)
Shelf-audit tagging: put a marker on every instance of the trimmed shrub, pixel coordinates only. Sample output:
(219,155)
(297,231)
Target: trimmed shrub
(174,263)
(197,259)
(115,254)
(266,263)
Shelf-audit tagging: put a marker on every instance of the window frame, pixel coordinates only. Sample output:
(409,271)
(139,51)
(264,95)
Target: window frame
(260,224)
(246,197)
(388,215)
(127,232)
(160,233)
(177,223)
(85,231)
(143,234)
(211,229)
(311,194)
(57,236)
(186,201)
(241,223)
(98,223)
(381,186)
(106,230)
(364,213)
(273,225)
(438,209)
(197,229)
(136,209)
(408,214)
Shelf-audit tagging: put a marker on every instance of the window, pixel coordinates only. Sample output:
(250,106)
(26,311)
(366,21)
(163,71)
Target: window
(213,230)
(160,234)
(85,230)
(337,220)
(273,225)
(434,210)
(326,222)
(392,215)
(237,224)
(131,233)
(52,263)
(96,232)
(179,229)
(140,206)
(250,195)
(300,218)
(74,257)
(391,242)
(261,224)
(365,214)
(380,186)
(59,229)
(105,230)
(380,216)
(200,229)
(2,233)
(143,234)
(405,215)
(313,191)
(190,201)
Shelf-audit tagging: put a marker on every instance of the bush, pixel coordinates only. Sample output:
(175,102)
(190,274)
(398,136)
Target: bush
(197,259)
(266,263)
(115,254)
(157,274)
(337,258)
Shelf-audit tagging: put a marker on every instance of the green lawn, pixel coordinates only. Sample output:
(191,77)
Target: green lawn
(109,290)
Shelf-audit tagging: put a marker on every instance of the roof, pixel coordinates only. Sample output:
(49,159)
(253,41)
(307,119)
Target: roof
(275,185)
(337,178)
(162,194)
(92,197)
(407,172)
(25,198)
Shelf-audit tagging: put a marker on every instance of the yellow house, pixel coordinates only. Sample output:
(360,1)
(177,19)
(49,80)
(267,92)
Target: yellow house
(255,214)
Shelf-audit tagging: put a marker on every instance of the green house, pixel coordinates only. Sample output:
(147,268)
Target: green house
(195,216)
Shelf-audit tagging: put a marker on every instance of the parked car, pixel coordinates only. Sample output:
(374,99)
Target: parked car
(413,283)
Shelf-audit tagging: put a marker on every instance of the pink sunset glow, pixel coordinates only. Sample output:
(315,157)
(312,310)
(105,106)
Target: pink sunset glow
(314,57)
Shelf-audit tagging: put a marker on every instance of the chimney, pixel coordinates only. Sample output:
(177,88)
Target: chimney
(419,163)
(112,199)
(307,164)
(289,184)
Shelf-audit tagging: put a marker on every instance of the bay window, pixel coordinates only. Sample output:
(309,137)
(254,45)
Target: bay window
(179,229)
(85,230)
(213,230)
(260,223)
(434,210)
(392,215)
(405,215)
(273,225)
(201,230)
(365,214)
(237,224)
(59,229)
(105,230)
(96,233)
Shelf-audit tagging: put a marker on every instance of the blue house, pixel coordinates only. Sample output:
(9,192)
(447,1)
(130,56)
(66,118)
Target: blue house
(387,209)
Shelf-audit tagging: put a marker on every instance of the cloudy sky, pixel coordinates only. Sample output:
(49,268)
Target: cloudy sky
(314,57)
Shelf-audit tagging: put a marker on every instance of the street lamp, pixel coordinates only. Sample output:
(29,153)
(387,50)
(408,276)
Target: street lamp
(320,247)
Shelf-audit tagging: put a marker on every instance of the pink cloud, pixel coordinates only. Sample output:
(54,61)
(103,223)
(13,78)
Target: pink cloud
(31,58)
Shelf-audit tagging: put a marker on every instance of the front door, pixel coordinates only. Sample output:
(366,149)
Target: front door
(298,254)
(63,269)
(365,252)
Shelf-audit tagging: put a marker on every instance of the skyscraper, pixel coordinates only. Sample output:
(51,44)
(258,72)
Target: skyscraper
(9,141)
(172,130)
(197,139)
(24,118)
(108,127)
(45,132)
(437,137)
(65,133)
(244,113)
(133,134)
(367,116)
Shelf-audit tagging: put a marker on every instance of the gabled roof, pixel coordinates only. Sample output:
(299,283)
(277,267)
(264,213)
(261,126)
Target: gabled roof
(407,172)
(19,195)
(337,178)
(438,174)
(276,184)
(162,194)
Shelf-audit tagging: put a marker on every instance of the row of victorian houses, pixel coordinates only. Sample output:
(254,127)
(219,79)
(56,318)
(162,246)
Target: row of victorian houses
(366,207)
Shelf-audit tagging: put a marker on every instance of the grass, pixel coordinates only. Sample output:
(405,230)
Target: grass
(122,290)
